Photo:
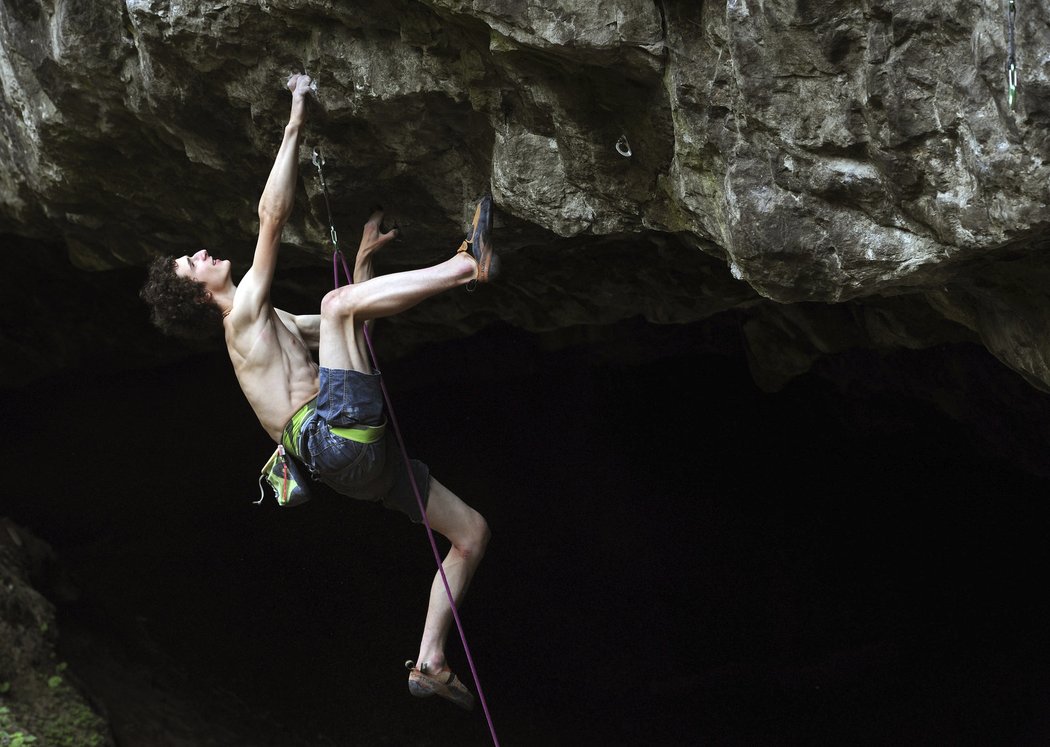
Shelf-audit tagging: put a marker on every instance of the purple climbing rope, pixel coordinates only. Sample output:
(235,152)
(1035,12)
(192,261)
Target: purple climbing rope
(337,253)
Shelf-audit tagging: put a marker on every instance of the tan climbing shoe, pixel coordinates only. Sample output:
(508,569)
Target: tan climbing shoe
(478,243)
(447,685)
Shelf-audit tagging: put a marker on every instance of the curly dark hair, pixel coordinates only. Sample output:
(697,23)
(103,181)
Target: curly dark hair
(179,306)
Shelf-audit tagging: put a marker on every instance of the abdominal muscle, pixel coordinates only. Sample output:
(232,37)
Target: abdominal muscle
(278,374)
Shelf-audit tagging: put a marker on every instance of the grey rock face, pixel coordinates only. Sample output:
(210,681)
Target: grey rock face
(666,159)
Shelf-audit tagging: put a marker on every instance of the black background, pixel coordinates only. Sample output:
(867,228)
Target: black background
(677,557)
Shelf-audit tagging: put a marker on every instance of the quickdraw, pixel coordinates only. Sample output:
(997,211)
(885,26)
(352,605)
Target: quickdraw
(318,160)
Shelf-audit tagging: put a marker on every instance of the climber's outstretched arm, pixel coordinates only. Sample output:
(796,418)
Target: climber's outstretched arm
(275,205)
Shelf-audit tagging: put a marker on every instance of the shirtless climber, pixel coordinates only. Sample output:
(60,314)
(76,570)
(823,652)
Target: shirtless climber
(306,405)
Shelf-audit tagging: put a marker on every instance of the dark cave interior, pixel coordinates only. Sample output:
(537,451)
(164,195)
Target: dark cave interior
(677,557)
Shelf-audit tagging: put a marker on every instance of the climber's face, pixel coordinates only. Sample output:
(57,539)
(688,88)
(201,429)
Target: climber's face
(203,268)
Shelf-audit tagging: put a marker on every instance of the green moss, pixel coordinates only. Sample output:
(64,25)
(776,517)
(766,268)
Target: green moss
(10,734)
(71,722)
(76,726)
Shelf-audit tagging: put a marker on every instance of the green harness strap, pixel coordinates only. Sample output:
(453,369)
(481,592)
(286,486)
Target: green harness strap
(363,434)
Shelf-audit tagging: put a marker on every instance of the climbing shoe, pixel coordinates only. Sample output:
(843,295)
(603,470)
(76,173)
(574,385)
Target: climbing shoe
(478,243)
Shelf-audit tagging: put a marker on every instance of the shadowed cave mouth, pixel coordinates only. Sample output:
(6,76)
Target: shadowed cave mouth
(838,559)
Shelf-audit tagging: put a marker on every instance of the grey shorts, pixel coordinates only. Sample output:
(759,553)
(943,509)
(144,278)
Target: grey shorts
(366,471)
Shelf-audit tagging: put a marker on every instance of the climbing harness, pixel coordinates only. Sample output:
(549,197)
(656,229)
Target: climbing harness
(337,258)
(1011,60)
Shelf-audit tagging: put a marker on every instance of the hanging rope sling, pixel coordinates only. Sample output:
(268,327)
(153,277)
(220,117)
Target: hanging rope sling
(1011,59)
(337,259)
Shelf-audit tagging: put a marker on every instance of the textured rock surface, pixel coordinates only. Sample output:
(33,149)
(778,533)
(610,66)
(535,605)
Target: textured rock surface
(39,697)
(818,179)
(853,153)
